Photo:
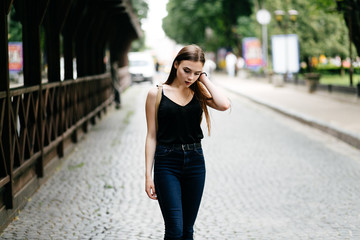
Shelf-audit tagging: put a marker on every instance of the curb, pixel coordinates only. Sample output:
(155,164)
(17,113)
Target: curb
(343,135)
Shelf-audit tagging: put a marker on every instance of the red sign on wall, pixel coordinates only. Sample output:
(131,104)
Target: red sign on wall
(15,57)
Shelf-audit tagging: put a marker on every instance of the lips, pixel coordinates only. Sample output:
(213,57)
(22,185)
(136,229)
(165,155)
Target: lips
(187,82)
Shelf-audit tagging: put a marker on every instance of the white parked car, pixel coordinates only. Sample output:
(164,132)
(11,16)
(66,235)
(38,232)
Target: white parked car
(141,66)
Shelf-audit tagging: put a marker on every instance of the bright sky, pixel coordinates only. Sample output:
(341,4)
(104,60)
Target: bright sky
(162,46)
(152,25)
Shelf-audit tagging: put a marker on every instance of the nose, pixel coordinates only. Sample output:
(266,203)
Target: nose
(191,76)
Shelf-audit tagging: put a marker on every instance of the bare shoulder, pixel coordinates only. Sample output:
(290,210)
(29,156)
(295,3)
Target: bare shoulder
(152,92)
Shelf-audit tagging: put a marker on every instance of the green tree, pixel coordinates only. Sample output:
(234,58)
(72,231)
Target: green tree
(15,27)
(320,29)
(141,9)
(350,9)
(210,24)
(351,12)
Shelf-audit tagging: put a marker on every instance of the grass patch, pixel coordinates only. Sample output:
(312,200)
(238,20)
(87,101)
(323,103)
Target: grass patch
(128,116)
(107,186)
(339,80)
(115,142)
(73,167)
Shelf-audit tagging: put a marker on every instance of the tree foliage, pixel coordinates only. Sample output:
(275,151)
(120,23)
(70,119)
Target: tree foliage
(223,23)
(351,12)
(141,9)
(210,24)
(321,30)
(15,27)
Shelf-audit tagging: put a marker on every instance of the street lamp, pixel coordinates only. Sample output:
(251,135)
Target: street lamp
(279,16)
(280,19)
(293,15)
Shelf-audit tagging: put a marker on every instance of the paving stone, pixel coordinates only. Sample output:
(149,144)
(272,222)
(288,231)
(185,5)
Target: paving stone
(268,177)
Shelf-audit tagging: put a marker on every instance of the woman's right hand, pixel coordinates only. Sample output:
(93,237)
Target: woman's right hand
(150,188)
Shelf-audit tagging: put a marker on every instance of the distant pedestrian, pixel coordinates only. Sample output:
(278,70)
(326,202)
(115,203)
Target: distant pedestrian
(173,141)
(157,65)
(209,67)
(230,61)
(240,64)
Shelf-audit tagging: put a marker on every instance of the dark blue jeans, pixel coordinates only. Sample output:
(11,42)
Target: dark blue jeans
(179,177)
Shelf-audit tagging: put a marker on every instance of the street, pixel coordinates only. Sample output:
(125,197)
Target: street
(268,177)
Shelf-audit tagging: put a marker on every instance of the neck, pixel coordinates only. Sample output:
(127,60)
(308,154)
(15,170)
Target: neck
(176,84)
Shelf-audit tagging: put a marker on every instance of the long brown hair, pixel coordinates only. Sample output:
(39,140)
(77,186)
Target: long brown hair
(193,53)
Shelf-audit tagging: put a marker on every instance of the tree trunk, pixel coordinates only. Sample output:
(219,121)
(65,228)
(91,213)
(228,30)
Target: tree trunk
(351,11)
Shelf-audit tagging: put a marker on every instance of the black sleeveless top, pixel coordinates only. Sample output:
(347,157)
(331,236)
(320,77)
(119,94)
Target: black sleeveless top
(179,124)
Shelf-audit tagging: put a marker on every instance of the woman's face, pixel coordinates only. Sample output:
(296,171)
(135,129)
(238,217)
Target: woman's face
(188,71)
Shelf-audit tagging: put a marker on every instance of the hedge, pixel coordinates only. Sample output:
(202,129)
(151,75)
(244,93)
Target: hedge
(330,69)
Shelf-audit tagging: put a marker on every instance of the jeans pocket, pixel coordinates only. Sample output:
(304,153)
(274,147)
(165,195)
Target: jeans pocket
(199,151)
(162,151)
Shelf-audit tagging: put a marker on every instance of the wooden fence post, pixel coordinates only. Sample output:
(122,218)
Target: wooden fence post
(32,14)
(54,20)
(5,86)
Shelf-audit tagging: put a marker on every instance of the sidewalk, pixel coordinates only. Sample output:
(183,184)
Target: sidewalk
(331,113)
(266,178)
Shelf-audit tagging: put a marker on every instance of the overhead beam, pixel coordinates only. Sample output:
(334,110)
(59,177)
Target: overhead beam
(68,31)
(54,21)
(111,13)
(133,18)
(82,42)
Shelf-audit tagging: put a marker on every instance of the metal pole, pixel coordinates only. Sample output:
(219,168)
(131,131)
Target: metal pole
(286,53)
(350,50)
(265,47)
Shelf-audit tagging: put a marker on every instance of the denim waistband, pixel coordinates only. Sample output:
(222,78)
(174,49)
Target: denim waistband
(184,147)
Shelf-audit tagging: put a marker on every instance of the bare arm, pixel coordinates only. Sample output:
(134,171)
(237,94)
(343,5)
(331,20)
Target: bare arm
(219,101)
(150,143)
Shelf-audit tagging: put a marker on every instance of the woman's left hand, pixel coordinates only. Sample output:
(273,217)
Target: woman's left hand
(202,77)
(218,100)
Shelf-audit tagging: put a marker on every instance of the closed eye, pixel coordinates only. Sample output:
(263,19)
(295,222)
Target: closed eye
(187,70)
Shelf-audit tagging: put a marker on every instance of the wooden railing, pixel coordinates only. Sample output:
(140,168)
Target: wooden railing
(39,124)
(4,175)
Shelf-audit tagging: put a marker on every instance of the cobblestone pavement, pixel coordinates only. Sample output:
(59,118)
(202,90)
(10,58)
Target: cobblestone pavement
(268,177)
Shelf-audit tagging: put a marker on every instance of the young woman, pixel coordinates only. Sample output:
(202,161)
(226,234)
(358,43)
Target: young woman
(173,142)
